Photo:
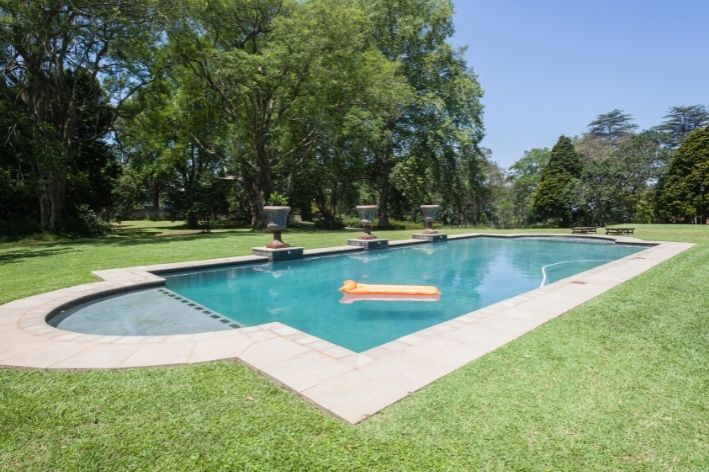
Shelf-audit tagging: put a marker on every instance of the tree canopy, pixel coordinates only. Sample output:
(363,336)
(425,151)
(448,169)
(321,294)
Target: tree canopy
(525,175)
(555,197)
(612,126)
(682,120)
(684,193)
(54,54)
(208,110)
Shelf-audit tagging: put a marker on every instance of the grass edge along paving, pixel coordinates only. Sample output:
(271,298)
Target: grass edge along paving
(619,383)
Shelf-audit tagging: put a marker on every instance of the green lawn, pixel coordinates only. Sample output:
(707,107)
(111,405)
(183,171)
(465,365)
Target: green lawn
(620,383)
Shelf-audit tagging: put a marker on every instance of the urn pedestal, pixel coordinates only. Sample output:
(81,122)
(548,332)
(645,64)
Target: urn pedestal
(277,250)
(430,234)
(367,240)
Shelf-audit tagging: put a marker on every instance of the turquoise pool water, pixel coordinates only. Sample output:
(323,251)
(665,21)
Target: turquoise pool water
(470,273)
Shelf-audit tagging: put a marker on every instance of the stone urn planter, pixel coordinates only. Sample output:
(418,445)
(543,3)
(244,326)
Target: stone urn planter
(366,216)
(277,220)
(429,215)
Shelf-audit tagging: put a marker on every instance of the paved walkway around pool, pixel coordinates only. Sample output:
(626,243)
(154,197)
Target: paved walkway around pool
(349,385)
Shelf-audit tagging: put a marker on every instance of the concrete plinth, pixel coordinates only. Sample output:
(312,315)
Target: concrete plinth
(431,238)
(282,254)
(369,244)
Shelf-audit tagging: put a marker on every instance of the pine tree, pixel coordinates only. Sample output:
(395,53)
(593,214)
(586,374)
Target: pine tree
(612,126)
(555,195)
(682,120)
(684,194)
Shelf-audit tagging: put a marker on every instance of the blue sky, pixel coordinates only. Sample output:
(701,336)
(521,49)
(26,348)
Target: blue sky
(548,67)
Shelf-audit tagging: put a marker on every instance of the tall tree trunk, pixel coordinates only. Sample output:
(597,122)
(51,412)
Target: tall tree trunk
(51,201)
(192,221)
(384,166)
(254,202)
(155,199)
(265,178)
(58,190)
(384,191)
(45,209)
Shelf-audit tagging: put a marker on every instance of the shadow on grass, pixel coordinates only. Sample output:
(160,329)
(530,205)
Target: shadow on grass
(137,232)
(19,256)
(159,238)
(128,237)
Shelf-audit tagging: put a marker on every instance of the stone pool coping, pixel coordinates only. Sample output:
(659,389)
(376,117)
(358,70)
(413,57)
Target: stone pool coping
(350,386)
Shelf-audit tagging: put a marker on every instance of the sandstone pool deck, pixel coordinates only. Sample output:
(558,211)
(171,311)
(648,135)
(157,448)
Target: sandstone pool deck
(349,385)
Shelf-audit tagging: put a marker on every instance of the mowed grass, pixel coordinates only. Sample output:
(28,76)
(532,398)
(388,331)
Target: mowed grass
(619,383)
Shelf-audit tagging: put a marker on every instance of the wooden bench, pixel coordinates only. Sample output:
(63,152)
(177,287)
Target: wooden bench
(583,229)
(620,230)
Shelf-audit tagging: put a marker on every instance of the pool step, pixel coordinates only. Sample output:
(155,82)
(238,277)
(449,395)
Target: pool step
(283,254)
(431,238)
(369,244)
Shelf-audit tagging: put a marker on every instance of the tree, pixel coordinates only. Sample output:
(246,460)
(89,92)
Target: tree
(50,49)
(228,48)
(495,204)
(17,184)
(442,126)
(329,102)
(524,176)
(612,126)
(348,96)
(556,198)
(682,120)
(286,75)
(346,126)
(621,188)
(684,193)
(88,176)
(94,168)
(592,148)
(171,136)
(146,132)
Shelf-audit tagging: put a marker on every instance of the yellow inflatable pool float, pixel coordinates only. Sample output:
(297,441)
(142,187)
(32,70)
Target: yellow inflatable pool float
(354,291)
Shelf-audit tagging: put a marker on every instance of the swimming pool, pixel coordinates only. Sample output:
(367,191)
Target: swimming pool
(470,273)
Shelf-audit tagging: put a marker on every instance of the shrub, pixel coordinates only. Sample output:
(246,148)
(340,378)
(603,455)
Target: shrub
(85,223)
(19,227)
(322,223)
(276,199)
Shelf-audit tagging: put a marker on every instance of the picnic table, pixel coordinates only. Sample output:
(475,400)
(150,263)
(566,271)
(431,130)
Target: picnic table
(583,229)
(618,230)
